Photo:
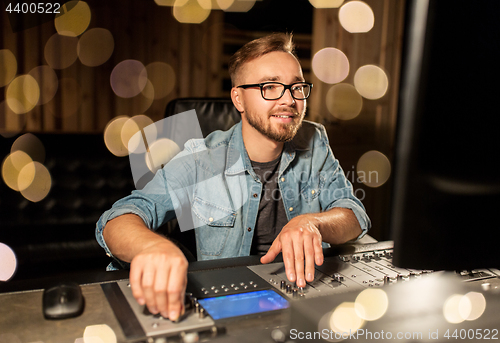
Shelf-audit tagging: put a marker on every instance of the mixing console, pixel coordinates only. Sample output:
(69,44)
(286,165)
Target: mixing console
(250,291)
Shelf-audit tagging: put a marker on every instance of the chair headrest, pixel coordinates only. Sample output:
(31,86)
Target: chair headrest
(213,113)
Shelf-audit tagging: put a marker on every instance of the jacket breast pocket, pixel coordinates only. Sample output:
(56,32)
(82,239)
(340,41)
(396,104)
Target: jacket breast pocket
(213,225)
(310,190)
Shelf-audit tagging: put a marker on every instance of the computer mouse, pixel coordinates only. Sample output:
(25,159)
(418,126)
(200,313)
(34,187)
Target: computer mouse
(64,300)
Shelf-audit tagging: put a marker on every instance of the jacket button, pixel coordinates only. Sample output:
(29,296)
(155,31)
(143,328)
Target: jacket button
(290,209)
(312,192)
(282,179)
(210,219)
(255,195)
(249,229)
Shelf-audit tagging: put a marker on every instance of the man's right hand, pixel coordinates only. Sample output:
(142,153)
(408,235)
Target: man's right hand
(158,268)
(158,277)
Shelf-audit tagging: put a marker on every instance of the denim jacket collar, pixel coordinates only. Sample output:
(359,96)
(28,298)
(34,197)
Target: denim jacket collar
(237,156)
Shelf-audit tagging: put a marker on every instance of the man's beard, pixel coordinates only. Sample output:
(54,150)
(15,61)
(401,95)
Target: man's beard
(284,132)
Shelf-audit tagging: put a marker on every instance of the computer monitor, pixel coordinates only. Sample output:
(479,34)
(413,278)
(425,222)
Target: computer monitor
(446,194)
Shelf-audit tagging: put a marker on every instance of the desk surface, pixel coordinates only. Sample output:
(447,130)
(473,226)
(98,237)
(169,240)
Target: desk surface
(22,319)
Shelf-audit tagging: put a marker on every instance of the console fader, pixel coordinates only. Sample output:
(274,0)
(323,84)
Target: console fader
(342,273)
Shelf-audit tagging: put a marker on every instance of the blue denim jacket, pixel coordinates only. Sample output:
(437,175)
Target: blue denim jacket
(210,186)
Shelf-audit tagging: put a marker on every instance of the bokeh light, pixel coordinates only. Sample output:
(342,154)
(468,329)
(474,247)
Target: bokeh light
(135,125)
(330,65)
(113,136)
(73,19)
(22,94)
(8,66)
(160,152)
(99,334)
(326,3)
(162,77)
(30,144)
(26,176)
(137,104)
(371,82)
(95,47)
(148,92)
(60,51)
(39,186)
(191,11)
(12,166)
(8,262)
(458,308)
(455,308)
(371,304)
(345,319)
(373,168)
(356,17)
(13,123)
(235,5)
(47,81)
(324,324)
(478,305)
(205,4)
(128,78)
(343,101)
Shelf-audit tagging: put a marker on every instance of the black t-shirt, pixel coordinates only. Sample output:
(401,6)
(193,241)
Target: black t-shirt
(272,216)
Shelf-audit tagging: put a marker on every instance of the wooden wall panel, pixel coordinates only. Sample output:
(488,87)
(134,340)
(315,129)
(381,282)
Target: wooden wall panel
(147,33)
(374,128)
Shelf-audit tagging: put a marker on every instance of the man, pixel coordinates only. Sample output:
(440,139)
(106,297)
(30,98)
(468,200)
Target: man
(279,188)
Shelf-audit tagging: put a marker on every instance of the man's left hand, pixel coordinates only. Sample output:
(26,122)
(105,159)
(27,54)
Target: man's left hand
(300,244)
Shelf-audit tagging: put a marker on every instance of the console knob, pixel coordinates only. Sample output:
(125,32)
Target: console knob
(282,284)
(288,289)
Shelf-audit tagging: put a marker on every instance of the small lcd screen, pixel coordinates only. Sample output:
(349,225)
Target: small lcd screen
(243,304)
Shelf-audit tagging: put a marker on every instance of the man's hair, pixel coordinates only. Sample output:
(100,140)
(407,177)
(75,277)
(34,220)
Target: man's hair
(259,47)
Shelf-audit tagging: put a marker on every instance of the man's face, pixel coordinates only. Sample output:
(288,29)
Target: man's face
(277,119)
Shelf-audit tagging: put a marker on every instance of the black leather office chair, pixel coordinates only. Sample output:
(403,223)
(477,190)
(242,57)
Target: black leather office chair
(213,114)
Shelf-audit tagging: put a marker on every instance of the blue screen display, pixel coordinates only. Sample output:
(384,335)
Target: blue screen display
(234,305)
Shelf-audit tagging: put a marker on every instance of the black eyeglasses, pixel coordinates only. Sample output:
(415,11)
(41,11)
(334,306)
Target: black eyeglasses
(275,90)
